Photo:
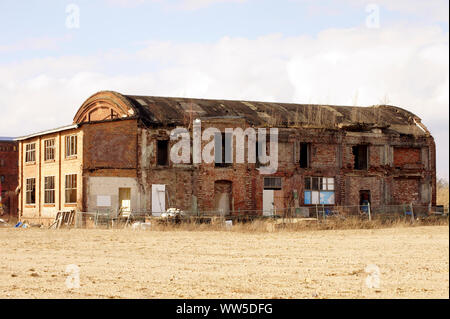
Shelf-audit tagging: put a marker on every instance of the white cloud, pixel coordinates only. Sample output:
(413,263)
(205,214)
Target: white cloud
(432,10)
(199,4)
(409,66)
(174,4)
(31,44)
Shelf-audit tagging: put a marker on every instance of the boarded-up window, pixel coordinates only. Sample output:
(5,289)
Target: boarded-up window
(406,155)
(71,145)
(319,190)
(163,152)
(49,190)
(71,189)
(49,149)
(30,152)
(31,191)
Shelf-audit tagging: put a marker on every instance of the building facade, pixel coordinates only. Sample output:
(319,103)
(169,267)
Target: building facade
(8,176)
(117,155)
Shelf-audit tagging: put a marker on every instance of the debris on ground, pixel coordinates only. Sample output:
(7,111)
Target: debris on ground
(141,226)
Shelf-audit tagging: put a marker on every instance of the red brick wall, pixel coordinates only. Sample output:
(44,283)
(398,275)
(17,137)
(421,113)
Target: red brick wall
(323,155)
(405,155)
(9,158)
(110,145)
(406,190)
(330,154)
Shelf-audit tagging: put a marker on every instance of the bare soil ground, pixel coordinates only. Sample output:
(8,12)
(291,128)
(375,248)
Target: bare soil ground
(413,263)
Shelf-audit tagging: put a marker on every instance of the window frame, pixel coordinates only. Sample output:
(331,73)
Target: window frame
(318,187)
(29,192)
(69,147)
(72,188)
(49,149)
(49,191)
(30,153)
(274,185)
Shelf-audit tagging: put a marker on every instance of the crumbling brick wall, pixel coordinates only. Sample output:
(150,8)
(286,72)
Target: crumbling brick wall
(9,157)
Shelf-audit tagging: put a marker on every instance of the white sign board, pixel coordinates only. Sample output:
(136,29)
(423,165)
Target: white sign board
(158,199)
(268,205)
(103,201)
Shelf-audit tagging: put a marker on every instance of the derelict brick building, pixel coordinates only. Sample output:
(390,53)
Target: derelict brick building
(116,154)
(8,175)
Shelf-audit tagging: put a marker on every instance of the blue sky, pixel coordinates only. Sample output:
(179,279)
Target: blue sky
(301,51)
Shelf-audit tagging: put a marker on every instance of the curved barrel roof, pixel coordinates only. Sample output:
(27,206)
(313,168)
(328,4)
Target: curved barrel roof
(156,110)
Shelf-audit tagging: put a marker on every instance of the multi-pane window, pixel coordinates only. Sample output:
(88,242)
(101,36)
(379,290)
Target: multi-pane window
(30,152)
(319,190)
(272,182)
(49,190)
(49,149)
(31,191)
(71,189)
(71,145)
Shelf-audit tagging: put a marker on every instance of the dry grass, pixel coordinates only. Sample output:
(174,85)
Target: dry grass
(294,225)
(413,261)
(442,196)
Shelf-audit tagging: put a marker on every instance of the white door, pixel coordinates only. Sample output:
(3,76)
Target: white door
(158,199)
(268,204)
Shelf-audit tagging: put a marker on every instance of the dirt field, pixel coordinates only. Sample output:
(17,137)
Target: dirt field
(413,263)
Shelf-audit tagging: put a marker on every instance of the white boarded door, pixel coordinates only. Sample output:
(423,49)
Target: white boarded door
(158,199)
(268,202)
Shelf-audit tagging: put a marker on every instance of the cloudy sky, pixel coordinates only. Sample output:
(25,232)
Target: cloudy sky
(55,54)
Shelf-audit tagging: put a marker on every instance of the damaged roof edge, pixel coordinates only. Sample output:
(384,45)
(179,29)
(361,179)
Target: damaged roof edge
(160,111)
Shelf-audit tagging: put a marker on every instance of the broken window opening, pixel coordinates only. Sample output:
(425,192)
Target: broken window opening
(31,191)
(260,151)
(360,157)
(305,150)
(222,149)
(163,152)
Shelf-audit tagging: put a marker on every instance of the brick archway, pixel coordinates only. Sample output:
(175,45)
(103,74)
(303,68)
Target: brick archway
(103,106)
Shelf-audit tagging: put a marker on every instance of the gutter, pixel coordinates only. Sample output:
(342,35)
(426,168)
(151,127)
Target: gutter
(55,130)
